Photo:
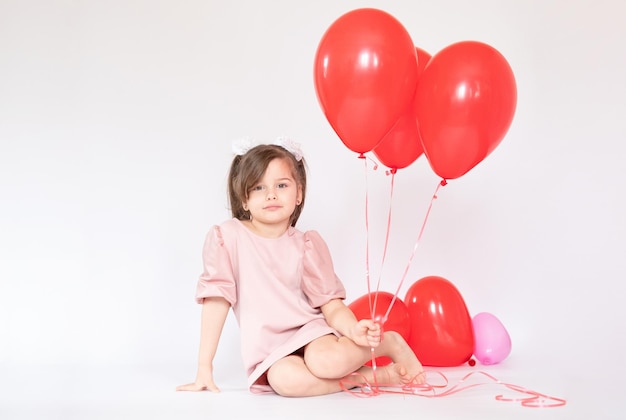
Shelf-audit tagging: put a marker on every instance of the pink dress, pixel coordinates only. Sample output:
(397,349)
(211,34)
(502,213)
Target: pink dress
(275,288)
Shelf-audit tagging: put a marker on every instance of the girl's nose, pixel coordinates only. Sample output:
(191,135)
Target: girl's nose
(271,194)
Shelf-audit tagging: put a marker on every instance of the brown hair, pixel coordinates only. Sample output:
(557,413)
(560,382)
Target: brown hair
(247,170)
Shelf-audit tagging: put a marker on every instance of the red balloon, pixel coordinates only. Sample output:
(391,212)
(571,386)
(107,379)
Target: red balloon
(423,57)
(365,73)
(441,327)
(465,102)
(397,320)
(402,145)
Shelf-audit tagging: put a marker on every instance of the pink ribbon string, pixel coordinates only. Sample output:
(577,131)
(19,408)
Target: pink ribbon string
(367,232)
(372,305)
(360,387)
(367,252)
(384,255)
(417,242)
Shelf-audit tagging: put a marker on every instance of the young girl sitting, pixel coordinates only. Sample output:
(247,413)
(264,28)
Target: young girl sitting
(298,337)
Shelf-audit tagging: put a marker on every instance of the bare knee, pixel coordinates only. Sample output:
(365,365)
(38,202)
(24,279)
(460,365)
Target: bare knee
(284,385)
(284,379)
(326,361)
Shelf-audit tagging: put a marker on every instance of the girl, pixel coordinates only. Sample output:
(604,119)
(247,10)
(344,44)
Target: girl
(298,337)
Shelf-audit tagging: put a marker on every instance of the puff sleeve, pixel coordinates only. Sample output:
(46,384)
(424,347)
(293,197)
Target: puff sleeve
(217,278)
(320,284)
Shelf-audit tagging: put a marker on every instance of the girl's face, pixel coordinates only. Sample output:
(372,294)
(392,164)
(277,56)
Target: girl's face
(274,198)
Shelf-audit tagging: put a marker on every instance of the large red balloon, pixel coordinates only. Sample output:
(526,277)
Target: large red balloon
(441,327)
(465,102)
(397,320)
(402,145)
(365,73)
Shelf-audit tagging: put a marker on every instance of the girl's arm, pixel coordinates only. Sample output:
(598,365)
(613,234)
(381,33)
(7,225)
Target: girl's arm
(364,332)
(214,312)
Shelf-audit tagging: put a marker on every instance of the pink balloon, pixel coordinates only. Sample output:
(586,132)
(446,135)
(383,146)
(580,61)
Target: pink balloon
(492,343)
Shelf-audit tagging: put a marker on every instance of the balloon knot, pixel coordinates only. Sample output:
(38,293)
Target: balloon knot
(361,156)
(444,182)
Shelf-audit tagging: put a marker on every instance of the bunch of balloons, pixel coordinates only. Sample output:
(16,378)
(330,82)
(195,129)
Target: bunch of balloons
(381,93)
(434,320)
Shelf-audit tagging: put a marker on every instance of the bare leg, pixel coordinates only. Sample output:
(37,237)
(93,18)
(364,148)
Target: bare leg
(290,377)
(331,357)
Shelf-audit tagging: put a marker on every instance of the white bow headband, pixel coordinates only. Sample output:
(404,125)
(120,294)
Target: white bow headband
(241,146)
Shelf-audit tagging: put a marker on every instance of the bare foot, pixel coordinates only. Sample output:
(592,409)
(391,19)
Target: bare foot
(397,374)
(406,368)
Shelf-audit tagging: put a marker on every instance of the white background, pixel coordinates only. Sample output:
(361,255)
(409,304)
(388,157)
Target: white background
(116,122)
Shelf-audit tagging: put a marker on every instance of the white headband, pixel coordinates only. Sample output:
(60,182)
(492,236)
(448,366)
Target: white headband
(241,146)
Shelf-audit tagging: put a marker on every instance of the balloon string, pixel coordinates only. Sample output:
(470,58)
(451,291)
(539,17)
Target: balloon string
(367,266)
(367,233)
(374,367)
(385,247)
(419,238)
(360,387)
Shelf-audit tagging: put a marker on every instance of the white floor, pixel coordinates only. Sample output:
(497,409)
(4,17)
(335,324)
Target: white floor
(147,392)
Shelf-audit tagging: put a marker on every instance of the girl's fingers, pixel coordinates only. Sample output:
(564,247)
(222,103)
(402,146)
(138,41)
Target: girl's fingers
(190,387)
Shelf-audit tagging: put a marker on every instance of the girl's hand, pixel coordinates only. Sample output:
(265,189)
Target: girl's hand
(367,333)
(204,382)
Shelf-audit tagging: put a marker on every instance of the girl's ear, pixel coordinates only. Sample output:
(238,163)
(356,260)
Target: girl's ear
(299,196)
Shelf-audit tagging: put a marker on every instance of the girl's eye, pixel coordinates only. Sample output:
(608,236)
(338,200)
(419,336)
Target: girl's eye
(282,185)
(258,188)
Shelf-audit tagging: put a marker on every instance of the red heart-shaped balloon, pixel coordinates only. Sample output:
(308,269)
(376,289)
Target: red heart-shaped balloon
(441,326)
